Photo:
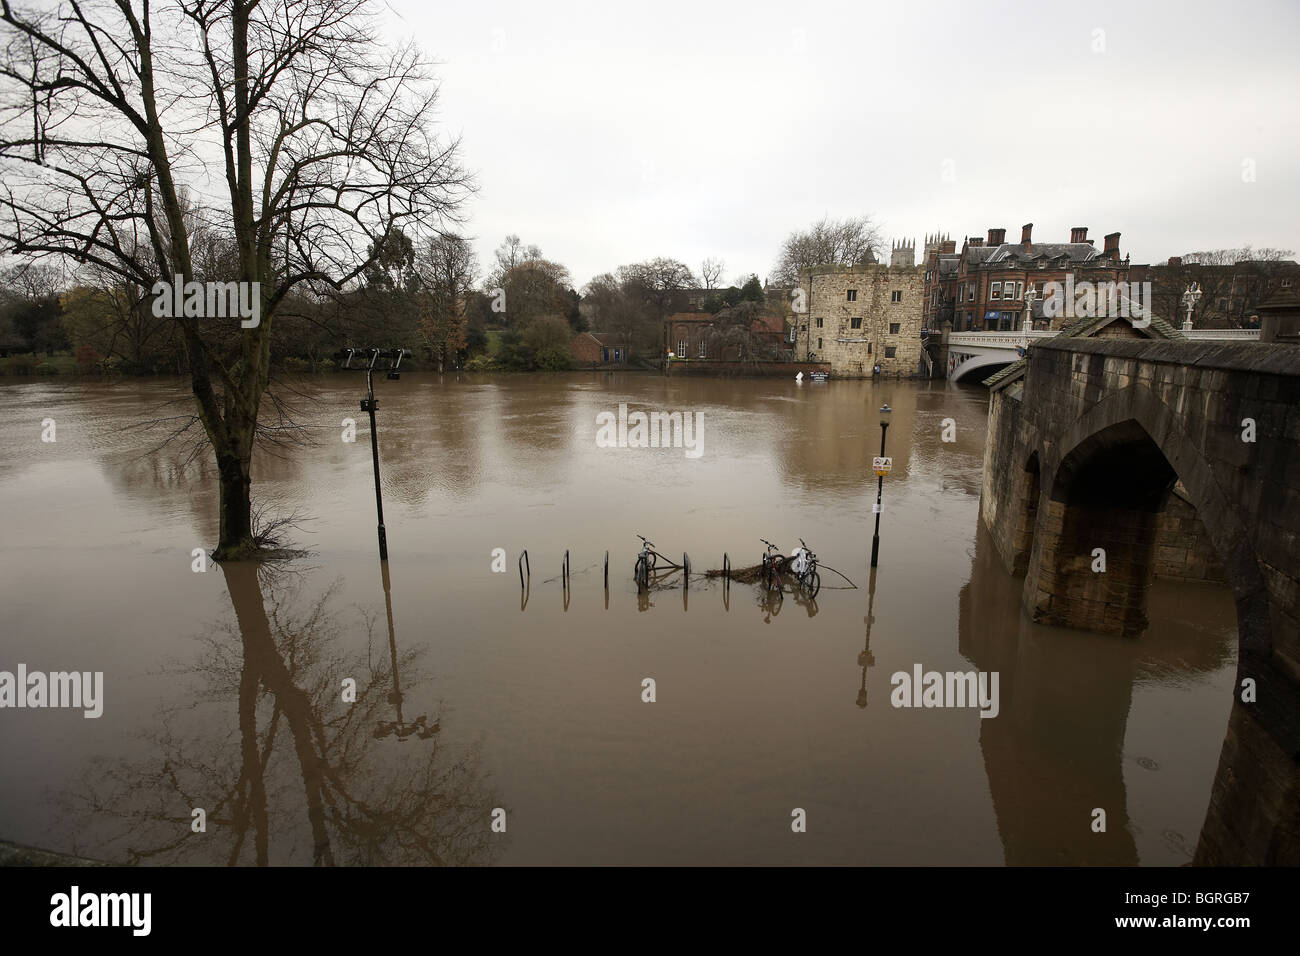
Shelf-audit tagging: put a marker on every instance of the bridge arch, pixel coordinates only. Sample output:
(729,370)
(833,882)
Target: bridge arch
(988,363)
(1135,419)
(1087,501)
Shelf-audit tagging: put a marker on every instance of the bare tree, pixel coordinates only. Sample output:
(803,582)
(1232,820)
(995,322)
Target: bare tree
(711,270)
(832,242)
(510,254)
(613,309)
(320,139)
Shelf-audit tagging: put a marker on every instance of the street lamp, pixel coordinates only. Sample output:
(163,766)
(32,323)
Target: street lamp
(393,358)
(1190,298)
(885,412)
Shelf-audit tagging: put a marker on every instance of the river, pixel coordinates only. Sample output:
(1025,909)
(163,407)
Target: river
(226,691)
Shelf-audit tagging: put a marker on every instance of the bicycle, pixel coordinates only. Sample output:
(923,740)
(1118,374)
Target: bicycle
(773,561)
(645,564)
(805,569)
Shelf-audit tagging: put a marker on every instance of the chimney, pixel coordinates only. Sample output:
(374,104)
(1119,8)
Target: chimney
(1025,230)
(1079,234)
(1175,261)
(1112,245)
(976,242)
(996,236)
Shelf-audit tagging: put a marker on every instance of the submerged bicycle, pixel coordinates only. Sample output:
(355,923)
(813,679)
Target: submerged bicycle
(802,564)
(645,564)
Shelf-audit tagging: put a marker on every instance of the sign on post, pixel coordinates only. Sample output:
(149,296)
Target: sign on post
(881,466)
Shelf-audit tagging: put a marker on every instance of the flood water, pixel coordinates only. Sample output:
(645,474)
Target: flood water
(224,690)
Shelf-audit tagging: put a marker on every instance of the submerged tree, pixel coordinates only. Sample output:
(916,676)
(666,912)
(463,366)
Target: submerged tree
(305,141)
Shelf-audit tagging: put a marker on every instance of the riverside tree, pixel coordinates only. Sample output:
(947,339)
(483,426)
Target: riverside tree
(303,139)
(854,241)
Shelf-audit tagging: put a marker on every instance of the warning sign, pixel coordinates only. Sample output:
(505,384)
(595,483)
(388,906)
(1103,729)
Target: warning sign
(882,466)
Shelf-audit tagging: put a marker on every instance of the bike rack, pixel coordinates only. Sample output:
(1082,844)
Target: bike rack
(523,562)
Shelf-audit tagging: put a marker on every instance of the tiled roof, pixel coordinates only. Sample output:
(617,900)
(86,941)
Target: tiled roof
(1009,252)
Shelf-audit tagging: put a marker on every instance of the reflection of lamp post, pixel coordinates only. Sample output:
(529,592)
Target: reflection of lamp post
(399,726)
(885,412)
(1190,298)
(369,404)
(866,658)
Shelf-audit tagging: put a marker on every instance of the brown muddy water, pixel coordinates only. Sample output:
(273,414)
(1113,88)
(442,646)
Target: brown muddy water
(224,690)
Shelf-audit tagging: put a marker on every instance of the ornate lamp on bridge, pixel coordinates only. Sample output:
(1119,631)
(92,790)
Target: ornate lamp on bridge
(882,468)
(1030,297)
(1190,298)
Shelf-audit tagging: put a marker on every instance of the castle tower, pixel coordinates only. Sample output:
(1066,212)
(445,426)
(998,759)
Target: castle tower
(902,254)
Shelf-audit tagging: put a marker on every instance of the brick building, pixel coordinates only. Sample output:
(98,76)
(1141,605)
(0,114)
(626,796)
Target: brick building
(693,336)
(982,288)
(865,316)
(599,348)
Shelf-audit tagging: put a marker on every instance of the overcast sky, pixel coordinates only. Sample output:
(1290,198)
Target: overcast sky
(608,133)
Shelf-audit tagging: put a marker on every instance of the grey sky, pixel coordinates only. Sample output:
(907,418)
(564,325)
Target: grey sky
(608,133)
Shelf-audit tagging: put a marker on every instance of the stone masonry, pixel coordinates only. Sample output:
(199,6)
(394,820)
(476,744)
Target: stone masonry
(862,317)
(1163,453)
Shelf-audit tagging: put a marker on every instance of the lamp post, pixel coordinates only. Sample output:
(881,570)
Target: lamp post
(1190,298)
(885,412)
(369,404)
(1031,295)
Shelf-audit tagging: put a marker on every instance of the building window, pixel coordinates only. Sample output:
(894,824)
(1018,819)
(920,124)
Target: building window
(681,347)
(890,351)
(868,348)
(1020,290)
(893,328)
(704,349)
(804,327)
(896,296)
(618,355)
(995,290)
(961,293)
(819,323)
(851,295)
(819,344)
(1286,283)
(855,323)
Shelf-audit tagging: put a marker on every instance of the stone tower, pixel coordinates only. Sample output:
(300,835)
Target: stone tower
(939,242)
(902,254)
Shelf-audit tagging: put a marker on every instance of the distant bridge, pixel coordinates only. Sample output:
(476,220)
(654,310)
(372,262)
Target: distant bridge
(1089,449)
(985,352)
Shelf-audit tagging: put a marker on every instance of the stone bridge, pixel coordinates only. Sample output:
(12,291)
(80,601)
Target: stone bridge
(1182,458)
(974,356)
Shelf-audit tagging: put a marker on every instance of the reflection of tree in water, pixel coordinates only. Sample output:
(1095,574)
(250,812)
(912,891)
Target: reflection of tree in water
(293,774)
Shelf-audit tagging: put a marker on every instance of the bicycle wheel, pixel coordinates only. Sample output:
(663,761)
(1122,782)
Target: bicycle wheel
(641,574)
(811,583)
(650,561)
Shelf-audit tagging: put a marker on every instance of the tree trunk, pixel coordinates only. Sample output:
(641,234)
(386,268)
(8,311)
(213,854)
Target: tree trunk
(236,531)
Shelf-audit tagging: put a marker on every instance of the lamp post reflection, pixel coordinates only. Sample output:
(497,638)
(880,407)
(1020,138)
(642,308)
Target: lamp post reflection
(866,658)
(399,727)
